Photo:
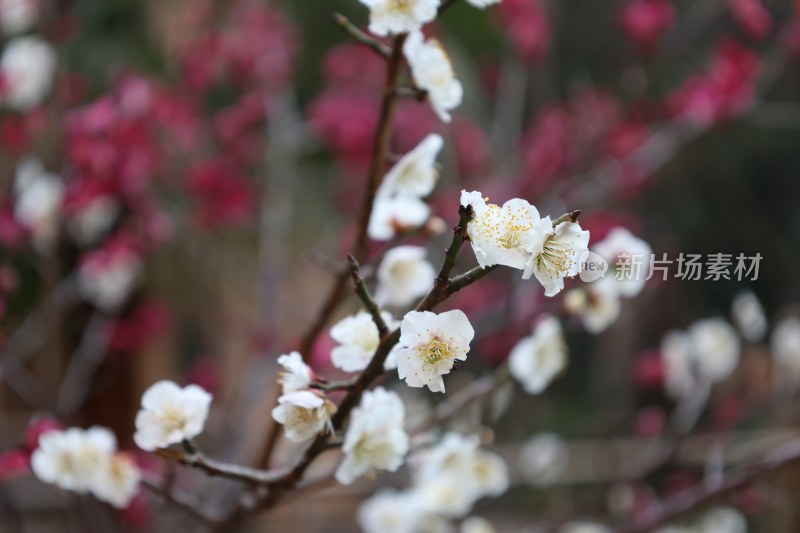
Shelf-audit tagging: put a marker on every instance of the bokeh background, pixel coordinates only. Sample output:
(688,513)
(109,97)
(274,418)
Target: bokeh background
(232,138)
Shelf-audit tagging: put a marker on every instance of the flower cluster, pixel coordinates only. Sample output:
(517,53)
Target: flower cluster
(82,461)
(304,412)
(398,203)
(375,439)
(448,479)
(707,353)
(515,236)
(598,304)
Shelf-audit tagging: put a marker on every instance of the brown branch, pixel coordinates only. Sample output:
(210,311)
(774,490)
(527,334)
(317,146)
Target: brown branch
(690,500)
(179,502)
(379,155)
(363,293)
(213,467)
(351,29)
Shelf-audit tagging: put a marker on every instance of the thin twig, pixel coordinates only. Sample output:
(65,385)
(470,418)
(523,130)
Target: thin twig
(213,467)
(363,293)
(374,44)
(689,500)
(179,502)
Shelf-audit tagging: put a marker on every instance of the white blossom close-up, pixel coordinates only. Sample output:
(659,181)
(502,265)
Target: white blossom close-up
(399,16)
(28,67)
(537,359)
(303,414)
(358,338)
(118,481)
(504,235)
(432,72)
(415,174)
(431,344)
(404,276)
(559,256)
(390,511)
(396,214)
(296,375)
(170,414)
(375,439)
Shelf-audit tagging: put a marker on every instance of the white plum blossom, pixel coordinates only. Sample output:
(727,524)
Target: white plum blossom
(583,527)
(558,257)
(399,16)
(404,275)
(597,305)
(118,481)
(415,174)
(483,3)
(303,414)
(28,67)
(390,511)
(71,459)
(170,414)
(705,354)
(722,520)
(456,472)
(358,338)
(375,439)
(621,247)
(39,200)
(748,315)
(433,73)
(477,524)
(785,346)
(18,16)
(536,360)
(504,235)
(431,344)
(107,277)
(544,459)
(93,220)
(716,348)
(677,357)
(396,214)
(296,375)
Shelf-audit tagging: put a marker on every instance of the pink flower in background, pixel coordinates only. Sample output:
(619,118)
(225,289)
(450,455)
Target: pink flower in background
(205,372)
(645,21)
(38,427)
(14,463)
(346,120)
(353,65)
(472,148)
(12,234)
(224,194)
(725,91)
(527,26)
(752,17)
(144,324)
